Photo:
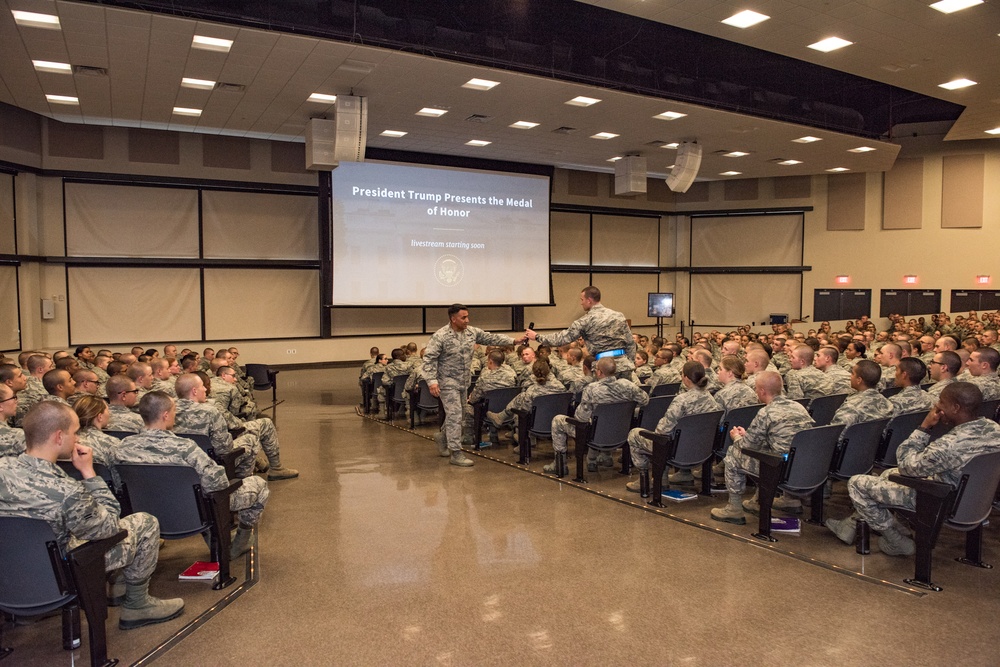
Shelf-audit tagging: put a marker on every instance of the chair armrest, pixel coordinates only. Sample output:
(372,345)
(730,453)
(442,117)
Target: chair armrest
(237,432)
(654,436)
(519,411)
(95,549)
(573,421)
(765,458)
(229,461)
(921,485)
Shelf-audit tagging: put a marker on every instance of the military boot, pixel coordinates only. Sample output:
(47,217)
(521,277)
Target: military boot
(140,608)
(894,543)
(682,476)
(116,588)
(442,443)
(731,513)
(458,458)
(241,541)
(846,530)
(278,471)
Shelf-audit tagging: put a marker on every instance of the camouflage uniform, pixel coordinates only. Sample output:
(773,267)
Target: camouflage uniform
(489,380)
(941,461)
(158,447)
(26,398)
(713,383)
(104,447)
(838,380)
(989,384)
(572,376)
(228,397)
(602,329)
(580,383)
(166,386)
(11,440)
(523,400)
(927,357)
(79,511)
(123,419)
(102,376)
(665,374)
(771,431)
(911,399)
(201,418)
(604,391)
(808,382)
(782,363)
(447,362)
(643,373)
(736,394)
(693,402)
(864,406)
(888,377)
(934,391)
(395,367)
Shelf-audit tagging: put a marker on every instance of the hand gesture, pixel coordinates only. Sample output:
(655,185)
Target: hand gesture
(435,390)
(737,432)
(932,418)
(83,460)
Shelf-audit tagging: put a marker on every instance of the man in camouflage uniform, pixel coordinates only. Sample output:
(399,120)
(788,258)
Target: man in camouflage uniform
(59,386)
(926,349)
(867,404)
(941,460)
(156,445)
(34,392)
(496,375)
(142,375)
(982,366)
(945,367)
(603,331)
(909,374)
(397,366)
(778,355)
(33,486)
(446,369)
(805,380)
(838,378)
(757,362)
(13,377)
(194,415)
(695,400)
(889,356)
(225,392)
(704,357)
(122,396)
(87,384)
(11,439)
(664,371)
(609,388)
(990,339)
(86,359)
(571,371)
(163,379)
(771,431)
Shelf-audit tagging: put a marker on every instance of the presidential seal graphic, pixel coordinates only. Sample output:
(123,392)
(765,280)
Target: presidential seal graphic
(449,270)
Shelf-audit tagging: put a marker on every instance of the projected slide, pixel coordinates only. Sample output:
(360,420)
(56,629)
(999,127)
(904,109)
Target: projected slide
(425,236)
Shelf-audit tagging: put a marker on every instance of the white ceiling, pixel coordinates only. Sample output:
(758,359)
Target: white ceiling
(146,55)
(904,43)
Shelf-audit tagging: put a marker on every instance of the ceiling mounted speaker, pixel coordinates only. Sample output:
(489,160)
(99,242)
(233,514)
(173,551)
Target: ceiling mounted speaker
(685,168)
(330,142)
(630,175)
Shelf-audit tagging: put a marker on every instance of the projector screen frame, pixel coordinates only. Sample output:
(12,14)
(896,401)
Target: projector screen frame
(651,297)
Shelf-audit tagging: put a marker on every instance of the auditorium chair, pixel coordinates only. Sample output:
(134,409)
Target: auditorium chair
(896,431)
(689,445)
(651,413)
(822,408)
(494,400)
(536,421)
(606,430)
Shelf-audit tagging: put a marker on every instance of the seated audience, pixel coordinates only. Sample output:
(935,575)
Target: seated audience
(909,374)
(11,439)
(122,397)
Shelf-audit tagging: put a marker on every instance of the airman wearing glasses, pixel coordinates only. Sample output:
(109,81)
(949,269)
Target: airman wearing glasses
(943,369)
(122,396)
(11,439)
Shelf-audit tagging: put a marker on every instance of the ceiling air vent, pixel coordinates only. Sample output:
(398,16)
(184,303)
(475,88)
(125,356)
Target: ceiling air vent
(564,130)
(87,70)
(230,87)
(657,143)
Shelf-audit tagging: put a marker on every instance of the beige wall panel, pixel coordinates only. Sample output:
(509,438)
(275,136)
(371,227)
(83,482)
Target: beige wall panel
(7,237)
(134,305)
(75,141)
(731,300)
(628,294)
(566,289)
(488,318)
(792,187)
(375,321)
(753,240)
(625,240)
(570,238)
(261,303)
(127,221)
(962,185)
(846,202)
(904,195)
(9,334)
(251,225)
(153,146)
(744,189)
(225,152)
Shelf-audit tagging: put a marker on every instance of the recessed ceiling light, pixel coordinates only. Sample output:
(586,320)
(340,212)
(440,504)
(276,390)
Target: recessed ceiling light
(839,169)
(183,111)
(949,6)
(604,135)
(321,97)
(735,154)
(745,19)
(48,66)
(480,84)
(62,99)
(393,133)
(477,142)
(200,84)
(432,113)
(670,115)
(806,140)
(615,158)
(523,125)
(861,149)
(212,43)
(789,163)
(830,44)
(35,20)
(956,84)
(673,145)
(731,173)
(995,130)
(581,101)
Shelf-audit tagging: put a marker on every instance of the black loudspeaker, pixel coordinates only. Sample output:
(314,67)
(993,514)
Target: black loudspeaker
(330,142)
(685,167)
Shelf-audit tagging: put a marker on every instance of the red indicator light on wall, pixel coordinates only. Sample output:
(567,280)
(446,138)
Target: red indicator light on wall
(983,280)
(910,280)
(843,280)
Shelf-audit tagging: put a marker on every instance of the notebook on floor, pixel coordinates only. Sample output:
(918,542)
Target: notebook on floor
(200,571)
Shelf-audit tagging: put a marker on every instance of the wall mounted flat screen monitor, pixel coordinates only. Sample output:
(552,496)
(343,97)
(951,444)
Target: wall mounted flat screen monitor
(661,304)
(405,235)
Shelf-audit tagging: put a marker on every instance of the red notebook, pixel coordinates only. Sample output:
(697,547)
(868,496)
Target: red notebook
(200,571)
